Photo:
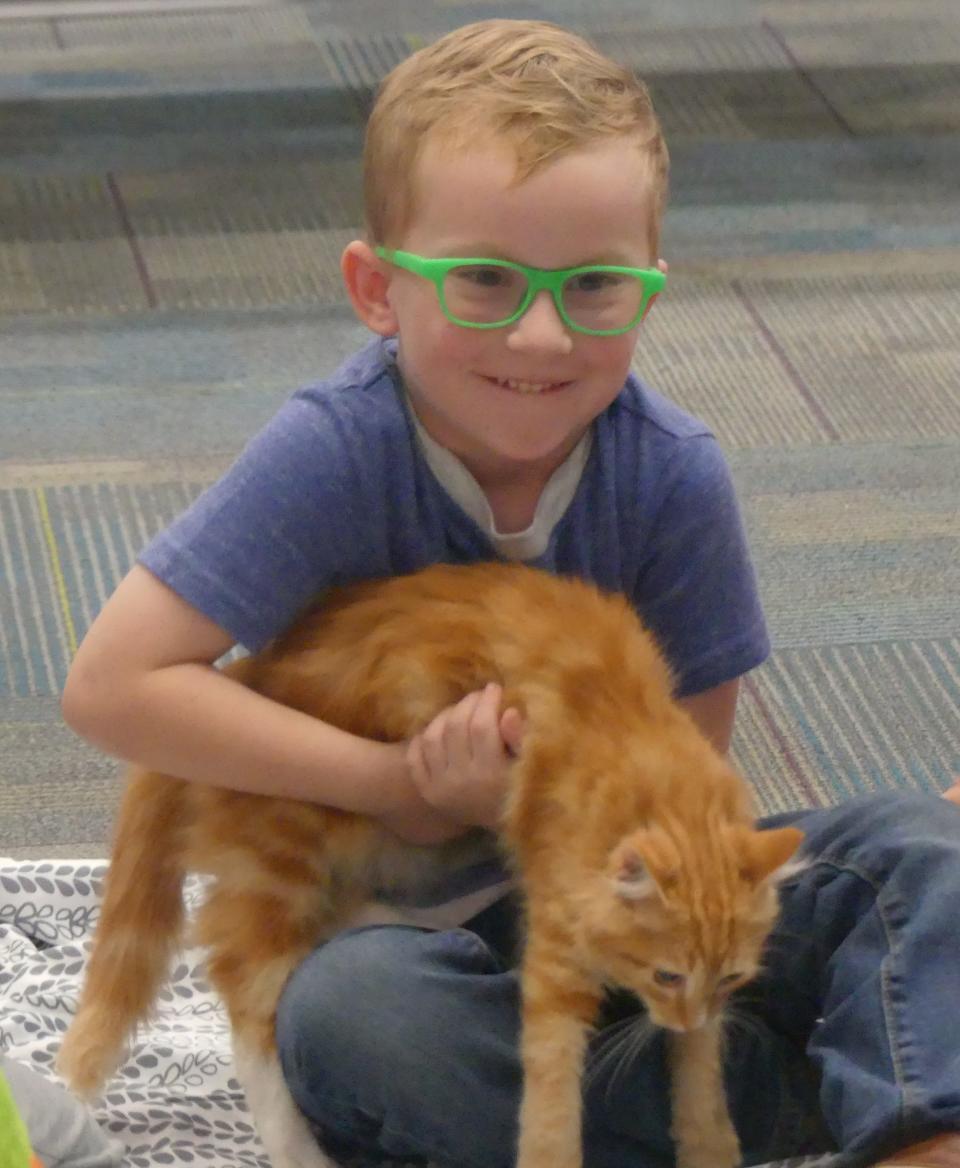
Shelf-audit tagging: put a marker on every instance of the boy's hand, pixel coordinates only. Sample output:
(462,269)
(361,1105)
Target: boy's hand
(460,762)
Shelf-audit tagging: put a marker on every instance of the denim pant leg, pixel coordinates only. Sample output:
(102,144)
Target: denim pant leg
(868,948)
(402,1045)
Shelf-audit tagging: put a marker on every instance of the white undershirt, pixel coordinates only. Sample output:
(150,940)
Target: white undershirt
(467,493)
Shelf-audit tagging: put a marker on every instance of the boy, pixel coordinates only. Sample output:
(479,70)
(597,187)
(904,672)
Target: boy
(503,421)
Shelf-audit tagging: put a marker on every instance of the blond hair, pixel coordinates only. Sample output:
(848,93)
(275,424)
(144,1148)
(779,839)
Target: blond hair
(539,89)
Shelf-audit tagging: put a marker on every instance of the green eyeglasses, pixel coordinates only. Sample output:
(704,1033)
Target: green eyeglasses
(602,300)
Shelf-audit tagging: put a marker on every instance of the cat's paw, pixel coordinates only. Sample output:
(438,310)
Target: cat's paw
(543,1154)
(719,1149)
(549,1161)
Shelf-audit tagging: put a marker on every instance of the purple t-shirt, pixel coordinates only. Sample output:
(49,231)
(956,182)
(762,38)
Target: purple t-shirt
(336,488)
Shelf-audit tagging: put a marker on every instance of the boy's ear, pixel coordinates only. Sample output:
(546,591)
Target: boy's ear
(366,278)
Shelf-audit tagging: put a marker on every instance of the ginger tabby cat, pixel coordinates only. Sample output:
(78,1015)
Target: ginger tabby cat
(632,839)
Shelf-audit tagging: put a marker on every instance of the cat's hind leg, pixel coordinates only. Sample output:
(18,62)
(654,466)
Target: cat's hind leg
(256,935)
(284,1132)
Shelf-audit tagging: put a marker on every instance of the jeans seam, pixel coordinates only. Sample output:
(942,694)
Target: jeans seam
(886,993)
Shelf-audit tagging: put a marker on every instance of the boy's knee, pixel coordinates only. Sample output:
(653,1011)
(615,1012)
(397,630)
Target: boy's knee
(346,984)
(353,1011)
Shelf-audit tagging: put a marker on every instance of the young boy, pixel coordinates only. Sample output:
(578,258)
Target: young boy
(496,416)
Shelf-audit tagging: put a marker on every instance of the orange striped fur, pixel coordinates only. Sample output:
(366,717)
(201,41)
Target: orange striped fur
(632,838)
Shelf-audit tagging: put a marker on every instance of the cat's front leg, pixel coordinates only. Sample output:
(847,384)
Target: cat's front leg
(702,1129)
(559,1008)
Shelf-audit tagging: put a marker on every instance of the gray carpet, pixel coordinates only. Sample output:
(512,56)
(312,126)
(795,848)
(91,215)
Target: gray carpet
(174,193)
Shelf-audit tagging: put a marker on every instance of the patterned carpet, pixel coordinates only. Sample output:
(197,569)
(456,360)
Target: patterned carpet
(175,188)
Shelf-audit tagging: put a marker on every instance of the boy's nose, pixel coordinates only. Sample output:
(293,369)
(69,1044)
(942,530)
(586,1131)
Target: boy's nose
(540,327)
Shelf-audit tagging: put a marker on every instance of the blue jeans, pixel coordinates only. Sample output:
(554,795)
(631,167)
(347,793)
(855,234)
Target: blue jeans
(402,1044)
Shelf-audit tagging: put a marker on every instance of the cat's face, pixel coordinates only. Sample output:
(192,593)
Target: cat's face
(683,924)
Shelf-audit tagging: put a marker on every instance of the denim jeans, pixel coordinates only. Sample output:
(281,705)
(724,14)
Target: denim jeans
(401,1044)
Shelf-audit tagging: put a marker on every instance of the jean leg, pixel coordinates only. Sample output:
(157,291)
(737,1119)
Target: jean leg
(866,957)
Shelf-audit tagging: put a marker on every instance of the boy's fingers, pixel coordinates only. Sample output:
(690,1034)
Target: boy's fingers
(469,716)
(485,725)
(435,742)
(470,713)
(512,727)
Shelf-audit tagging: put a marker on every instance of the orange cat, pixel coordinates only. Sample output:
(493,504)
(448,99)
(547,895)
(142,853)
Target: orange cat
(632,839)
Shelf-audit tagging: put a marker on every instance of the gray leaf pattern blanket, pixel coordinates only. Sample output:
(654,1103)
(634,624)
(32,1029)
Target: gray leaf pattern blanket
(175,1100)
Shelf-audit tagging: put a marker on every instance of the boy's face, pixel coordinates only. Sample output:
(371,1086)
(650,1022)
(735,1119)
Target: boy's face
(516,399)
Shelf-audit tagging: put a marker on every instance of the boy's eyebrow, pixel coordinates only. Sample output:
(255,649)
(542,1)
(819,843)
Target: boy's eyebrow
(490,251)
(481,250)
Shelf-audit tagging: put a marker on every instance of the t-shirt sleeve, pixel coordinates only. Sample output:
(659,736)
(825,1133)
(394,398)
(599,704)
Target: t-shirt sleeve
(289,519)
(697,589)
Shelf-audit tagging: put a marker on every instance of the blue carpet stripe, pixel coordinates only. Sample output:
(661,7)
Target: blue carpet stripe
(94,534)
(832,722)
(35,640)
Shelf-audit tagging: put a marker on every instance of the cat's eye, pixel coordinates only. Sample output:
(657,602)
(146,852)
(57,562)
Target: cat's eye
(668,979)
(729,979)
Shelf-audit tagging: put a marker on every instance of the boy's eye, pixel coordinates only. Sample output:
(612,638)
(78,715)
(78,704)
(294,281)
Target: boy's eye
(483,277)
(595,281)
(668,979)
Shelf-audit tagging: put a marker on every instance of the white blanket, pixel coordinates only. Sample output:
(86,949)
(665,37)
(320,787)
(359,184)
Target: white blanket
(175,1100)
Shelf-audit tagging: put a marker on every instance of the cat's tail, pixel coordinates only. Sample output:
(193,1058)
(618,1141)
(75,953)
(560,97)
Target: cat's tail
(140,926)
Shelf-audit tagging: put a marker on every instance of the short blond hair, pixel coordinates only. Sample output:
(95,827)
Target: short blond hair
(540,89)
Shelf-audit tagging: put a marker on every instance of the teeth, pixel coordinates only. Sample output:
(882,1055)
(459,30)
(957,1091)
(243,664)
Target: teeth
(528,386)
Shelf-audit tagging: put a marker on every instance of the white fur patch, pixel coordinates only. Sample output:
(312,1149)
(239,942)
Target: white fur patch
(284,1132)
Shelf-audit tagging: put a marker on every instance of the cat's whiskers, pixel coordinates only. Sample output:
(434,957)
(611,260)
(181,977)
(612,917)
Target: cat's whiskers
(624,1040)
(737,1018)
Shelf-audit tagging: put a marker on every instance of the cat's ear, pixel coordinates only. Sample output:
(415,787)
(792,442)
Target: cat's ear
(644,864)
(764,853)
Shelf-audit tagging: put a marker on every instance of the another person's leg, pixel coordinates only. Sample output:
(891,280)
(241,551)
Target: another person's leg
(869,936)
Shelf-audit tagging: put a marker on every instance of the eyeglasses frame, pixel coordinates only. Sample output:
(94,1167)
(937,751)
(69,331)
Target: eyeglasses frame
(551,280)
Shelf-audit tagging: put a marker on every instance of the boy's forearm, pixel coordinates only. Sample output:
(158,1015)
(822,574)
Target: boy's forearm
(714,712)
(191,721)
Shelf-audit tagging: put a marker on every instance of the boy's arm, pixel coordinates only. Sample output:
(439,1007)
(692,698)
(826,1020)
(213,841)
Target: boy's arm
(714,711)
(143,687)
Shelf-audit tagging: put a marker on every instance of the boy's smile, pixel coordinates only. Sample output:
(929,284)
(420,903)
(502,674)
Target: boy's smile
(512,402)
(528,386)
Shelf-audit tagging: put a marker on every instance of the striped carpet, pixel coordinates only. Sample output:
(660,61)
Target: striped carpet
(175,189)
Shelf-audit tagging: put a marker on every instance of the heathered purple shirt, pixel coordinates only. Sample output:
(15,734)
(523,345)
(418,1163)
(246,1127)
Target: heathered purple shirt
(336,488)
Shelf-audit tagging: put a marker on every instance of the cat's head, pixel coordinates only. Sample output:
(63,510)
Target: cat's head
(682,922)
